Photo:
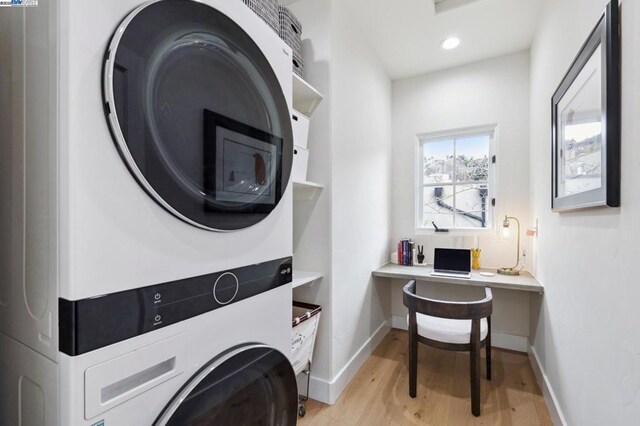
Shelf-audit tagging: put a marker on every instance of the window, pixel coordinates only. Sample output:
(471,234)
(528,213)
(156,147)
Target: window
(455,180)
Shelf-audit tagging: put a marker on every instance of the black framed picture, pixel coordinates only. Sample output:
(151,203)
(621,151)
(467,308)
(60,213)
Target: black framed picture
(586,122)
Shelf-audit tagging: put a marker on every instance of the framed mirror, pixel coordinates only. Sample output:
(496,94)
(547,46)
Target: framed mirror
(586,122)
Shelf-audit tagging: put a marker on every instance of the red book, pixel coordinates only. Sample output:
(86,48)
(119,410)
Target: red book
(400,259)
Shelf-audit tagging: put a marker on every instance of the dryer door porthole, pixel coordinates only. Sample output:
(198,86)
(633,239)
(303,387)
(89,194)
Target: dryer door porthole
(198,114)
(254,384)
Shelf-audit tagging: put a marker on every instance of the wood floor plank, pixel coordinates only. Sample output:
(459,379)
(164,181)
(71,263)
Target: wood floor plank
(379,393)
(360,395)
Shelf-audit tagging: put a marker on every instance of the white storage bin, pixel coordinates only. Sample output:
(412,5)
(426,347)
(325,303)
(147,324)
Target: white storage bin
(300,124)
(300,160)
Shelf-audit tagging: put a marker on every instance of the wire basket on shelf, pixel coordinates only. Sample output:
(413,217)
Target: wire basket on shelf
(298,66)
(290,31)
(267,10)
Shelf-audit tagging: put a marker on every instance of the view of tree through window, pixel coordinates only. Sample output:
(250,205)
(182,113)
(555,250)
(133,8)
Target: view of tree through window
(455,181)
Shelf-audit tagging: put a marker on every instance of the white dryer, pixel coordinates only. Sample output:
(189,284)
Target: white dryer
(151,201)
(196,96)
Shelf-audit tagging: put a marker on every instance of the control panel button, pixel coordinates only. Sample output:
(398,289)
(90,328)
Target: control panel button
(225,288)
(286,271)
(157,318)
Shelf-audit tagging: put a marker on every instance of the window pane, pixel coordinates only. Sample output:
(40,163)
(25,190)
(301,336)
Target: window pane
(438,206)
(438,161)
(472,206)
(472,158)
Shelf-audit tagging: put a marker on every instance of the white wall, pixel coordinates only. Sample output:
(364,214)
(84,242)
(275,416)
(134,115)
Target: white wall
(361,93)
(495,91)
(344,233)
(586,337)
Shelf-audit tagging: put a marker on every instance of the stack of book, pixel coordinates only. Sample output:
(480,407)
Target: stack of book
(405,252)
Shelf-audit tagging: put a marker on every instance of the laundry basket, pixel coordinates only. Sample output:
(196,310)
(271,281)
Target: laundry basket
(267,10)
(306,318)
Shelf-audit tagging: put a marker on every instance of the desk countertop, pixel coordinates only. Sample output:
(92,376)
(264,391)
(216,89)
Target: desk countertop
(523,282)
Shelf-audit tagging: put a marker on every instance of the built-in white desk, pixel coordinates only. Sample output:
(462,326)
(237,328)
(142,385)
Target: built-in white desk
(523,282)
(516,299)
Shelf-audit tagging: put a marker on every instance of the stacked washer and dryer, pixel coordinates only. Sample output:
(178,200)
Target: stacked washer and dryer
(147,215)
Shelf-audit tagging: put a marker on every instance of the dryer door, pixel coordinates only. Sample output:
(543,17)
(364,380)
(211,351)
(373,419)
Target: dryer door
(198,114)
(251,385)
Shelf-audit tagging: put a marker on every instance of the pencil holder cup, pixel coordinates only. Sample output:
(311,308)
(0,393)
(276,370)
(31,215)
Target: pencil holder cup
(475,258)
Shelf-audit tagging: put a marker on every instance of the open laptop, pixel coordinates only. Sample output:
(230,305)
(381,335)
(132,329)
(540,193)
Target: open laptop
(454,263)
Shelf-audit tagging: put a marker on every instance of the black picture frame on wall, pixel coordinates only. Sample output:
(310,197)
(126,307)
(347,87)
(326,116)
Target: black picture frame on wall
(585,122)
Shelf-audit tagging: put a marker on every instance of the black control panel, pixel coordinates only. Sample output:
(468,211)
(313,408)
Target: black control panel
(89,324)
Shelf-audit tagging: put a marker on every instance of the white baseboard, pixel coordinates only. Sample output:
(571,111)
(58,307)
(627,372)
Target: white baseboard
(509,341)
(399,322)
(498,339)
(547,391)
(319,389)
(329,391)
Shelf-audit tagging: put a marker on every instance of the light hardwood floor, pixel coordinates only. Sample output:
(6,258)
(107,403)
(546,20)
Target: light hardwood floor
(379,393)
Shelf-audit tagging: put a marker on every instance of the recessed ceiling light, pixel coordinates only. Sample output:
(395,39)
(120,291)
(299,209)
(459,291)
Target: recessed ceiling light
(450,43)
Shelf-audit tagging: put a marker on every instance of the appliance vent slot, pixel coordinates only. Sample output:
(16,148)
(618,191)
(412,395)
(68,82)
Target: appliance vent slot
(123,386)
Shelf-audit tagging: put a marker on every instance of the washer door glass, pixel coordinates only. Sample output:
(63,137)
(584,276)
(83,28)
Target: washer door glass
(198,114)
(253,385)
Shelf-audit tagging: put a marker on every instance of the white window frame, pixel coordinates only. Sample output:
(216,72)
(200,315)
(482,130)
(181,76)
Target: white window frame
(492,130)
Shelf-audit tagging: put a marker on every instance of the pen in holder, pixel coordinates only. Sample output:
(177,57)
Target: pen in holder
(475,258)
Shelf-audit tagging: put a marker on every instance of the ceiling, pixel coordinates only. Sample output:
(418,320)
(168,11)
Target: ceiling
(407,33)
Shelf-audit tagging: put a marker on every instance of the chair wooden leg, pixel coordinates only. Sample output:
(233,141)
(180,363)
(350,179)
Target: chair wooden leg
(413,355)
(475,367)
(487,349)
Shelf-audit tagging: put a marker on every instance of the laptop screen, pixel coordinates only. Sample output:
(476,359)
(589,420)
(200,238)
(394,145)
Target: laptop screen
(458,260)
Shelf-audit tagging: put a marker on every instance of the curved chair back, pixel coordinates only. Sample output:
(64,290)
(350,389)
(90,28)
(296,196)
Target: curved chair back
(447,309)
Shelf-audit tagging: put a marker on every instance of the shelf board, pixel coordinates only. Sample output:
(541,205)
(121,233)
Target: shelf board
(304,277)
(305,98)
(304,191)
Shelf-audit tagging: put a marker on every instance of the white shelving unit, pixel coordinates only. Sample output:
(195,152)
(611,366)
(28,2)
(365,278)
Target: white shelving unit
(305,98)
(305,191)
(304,277)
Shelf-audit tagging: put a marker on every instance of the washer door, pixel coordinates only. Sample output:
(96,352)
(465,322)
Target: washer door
(251,385)
(198,114)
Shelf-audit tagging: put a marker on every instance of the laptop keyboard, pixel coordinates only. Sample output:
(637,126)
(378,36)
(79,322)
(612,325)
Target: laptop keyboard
(452,274)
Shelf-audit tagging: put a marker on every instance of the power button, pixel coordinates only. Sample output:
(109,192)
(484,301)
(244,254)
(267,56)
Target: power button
(226,288)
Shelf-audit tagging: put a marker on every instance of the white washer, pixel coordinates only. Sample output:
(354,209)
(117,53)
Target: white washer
(152,379)
(85,232)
